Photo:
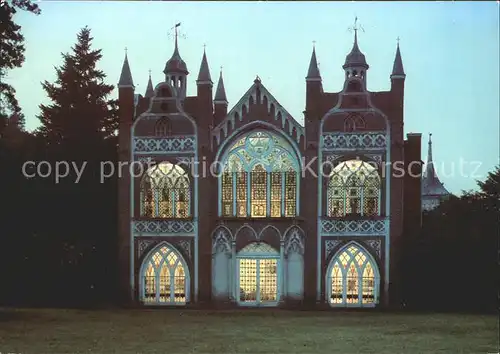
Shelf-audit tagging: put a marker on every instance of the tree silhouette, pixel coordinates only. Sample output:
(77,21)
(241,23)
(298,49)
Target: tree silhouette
(11,56)
(81,115)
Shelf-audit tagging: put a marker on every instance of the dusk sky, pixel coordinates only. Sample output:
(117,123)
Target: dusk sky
(450,53)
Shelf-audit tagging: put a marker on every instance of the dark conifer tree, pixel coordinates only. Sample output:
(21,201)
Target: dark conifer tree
(81,115)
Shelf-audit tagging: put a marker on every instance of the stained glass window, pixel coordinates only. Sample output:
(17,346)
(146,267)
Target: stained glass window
(353,189)
(165,192)
(259,191)
(258,273)
(276,194)
(269,163)
(164,277)
(352,278)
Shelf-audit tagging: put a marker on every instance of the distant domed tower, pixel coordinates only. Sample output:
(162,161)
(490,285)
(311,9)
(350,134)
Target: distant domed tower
(433,191)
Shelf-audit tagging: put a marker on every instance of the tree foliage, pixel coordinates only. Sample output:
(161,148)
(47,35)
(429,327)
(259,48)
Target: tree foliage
(11,51)
(453,262)
(80,113)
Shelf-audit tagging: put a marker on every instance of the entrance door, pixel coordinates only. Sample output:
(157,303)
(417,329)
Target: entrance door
(258,282)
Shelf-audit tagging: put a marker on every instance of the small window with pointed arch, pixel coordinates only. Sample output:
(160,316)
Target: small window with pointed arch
(354,123)
(163,127)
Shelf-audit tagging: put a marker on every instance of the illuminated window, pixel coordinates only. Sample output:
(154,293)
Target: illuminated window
(260,177)
(165,192)
(258,274)
(164,278)
(352,278)
(353,189)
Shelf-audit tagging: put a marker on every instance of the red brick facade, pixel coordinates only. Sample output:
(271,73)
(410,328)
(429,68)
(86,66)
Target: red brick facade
(213,127)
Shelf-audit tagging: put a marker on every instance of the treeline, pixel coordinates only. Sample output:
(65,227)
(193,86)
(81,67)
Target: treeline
(453,263)
(57,240)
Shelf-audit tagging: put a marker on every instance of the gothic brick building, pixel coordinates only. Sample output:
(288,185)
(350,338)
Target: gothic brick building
(247,207)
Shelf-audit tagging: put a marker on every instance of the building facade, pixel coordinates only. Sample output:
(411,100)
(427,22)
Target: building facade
(247,207)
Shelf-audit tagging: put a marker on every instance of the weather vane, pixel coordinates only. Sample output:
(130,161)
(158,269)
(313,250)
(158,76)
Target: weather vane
(356,26)
(175,33)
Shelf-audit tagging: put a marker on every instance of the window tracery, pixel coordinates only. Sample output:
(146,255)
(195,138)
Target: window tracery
(165,192)
(162,127)
(164,277)
(352,278)
(354,188)
(260,177)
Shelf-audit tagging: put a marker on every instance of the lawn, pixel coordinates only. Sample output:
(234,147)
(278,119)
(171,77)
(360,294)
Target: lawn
(260,331)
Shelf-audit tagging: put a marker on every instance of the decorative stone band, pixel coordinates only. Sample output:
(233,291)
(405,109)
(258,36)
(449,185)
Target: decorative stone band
(168,145)
(353,141)
(163,228)
(330,227)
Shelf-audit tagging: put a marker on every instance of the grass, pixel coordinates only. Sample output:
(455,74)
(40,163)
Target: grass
(250,331)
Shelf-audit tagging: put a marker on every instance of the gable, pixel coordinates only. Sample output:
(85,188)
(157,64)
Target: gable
(276,114)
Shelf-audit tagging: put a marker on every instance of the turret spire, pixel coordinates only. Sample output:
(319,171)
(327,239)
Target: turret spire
(149,90)
(220,93)
(397,68)
(204,74)
(126,75)
(313,72)
(432,188)
(175,65)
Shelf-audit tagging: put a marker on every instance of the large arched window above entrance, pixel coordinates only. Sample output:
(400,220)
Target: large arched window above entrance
(165,192)
(165,277)
(352,278)
(260,177)
(354,188)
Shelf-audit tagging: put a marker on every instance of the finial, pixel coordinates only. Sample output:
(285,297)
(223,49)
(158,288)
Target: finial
(125,50)
(176,33)
(221,69)
(204,46)
(149,72)
(356,27)
(314,44)
(397,39)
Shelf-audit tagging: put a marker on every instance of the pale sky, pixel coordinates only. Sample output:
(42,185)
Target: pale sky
(450,53)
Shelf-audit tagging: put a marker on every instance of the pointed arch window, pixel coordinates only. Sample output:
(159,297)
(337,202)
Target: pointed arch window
(354,188)
(162,127)
(165,192)
(165,278)
(259,177)
(352,278)
(354,123)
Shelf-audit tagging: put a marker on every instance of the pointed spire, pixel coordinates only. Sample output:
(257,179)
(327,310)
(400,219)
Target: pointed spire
(313,72)
(355,58)
(220,93)
(429,150)
(397,69)
(150,92)
(126,75)
(431,185)
(175,64)
(204,74)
